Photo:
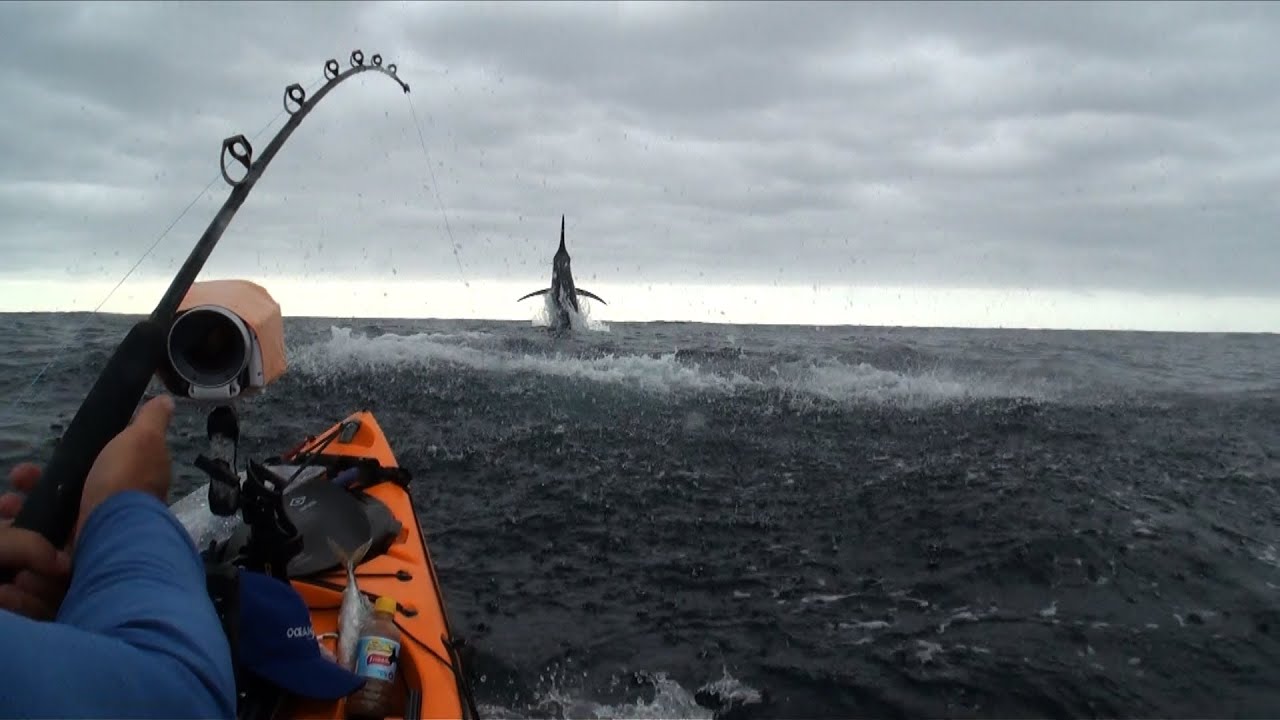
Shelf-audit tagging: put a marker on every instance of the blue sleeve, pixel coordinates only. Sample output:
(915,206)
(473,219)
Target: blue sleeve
(136,635)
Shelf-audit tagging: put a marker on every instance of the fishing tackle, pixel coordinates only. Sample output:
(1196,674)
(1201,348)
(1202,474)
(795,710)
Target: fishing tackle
(54,504)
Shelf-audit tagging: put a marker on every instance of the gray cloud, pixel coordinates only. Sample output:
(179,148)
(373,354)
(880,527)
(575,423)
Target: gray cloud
(1083,145)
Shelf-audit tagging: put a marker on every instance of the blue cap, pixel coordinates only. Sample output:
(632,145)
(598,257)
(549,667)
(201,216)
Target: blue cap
(278,643)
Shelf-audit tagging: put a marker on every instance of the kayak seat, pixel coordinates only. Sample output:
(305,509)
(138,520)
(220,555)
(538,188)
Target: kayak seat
(322,510)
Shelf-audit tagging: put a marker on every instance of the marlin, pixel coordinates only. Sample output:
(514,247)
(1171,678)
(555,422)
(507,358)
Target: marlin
(563,293)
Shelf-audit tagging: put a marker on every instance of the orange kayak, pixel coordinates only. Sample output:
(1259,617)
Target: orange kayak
(353,492)
(430,677)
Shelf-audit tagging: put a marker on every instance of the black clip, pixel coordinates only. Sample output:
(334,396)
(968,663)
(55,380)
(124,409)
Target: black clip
(331,70)
(357,58)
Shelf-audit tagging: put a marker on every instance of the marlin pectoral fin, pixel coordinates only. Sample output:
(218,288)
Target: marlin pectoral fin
(593,296)
(540,292)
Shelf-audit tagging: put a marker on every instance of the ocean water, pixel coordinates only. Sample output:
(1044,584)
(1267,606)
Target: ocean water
(684,520)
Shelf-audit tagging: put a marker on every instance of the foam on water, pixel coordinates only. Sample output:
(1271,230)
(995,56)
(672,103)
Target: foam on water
(838,381)
(348,350)
(668,699)
(826,380)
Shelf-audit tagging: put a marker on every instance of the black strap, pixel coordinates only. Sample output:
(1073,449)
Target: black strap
(222,580)
(256,699)
(374,474)
(370,471)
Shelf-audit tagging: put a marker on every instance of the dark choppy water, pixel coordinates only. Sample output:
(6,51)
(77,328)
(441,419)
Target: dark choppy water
(818,522)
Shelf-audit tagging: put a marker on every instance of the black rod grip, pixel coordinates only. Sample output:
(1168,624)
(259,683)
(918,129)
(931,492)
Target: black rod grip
(53,506)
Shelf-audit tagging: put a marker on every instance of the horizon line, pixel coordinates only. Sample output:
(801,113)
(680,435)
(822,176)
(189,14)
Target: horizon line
(814,325)
(741,305)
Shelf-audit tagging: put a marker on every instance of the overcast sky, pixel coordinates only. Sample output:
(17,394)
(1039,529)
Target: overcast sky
(1020,147)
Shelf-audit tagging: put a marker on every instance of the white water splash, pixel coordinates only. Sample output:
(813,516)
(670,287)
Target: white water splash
(825,599)
(830,381)
(837,381)
(578,322)
(345,350)
(927,650)
(670,700)
(866,625)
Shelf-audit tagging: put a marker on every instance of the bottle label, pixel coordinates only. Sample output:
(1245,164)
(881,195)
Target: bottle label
(377,657)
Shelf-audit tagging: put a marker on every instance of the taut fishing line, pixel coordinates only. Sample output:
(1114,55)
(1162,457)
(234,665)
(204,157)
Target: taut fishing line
(26,392)
(61,351)
(436,186)
(54,504)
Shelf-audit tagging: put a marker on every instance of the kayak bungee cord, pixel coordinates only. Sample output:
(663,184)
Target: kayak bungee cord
(53,505)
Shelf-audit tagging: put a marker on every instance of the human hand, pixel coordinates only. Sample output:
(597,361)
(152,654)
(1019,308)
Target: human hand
(41,572)
(136,459)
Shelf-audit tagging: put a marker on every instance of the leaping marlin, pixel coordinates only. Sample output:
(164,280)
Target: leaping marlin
(563,293)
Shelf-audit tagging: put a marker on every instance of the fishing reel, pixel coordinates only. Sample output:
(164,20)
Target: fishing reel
(207,340)
(226,340)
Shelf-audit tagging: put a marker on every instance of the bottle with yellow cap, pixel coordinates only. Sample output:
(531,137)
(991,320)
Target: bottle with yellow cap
(377,658)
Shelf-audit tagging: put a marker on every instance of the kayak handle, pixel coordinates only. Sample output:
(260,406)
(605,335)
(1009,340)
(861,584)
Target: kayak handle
(53,506)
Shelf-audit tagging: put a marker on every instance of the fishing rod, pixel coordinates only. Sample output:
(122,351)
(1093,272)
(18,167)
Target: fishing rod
(53,505)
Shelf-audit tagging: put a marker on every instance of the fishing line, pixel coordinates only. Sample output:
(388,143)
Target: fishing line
(417,124)
(25,394)
(54,503)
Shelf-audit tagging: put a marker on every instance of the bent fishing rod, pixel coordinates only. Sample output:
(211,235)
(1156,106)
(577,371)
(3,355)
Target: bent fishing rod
(54,503)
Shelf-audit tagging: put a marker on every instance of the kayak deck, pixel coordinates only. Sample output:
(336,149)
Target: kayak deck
(429,680)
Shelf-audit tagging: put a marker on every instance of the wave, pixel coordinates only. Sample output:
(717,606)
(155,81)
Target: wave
(820,379)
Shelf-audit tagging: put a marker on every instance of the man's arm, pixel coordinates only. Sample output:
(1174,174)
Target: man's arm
(136,636)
